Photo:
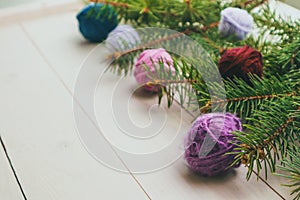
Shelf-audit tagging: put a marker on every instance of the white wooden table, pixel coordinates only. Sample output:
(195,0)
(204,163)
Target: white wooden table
(41,52)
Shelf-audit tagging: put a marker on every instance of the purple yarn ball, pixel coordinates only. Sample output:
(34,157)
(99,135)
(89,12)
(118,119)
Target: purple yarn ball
(123,37)
(147,66)
(235,21)
(207,142)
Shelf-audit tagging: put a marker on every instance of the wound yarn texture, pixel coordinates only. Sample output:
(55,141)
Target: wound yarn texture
(96,21)
(150,65)
(207,142)
(240,62)
(236,22)
(123,37)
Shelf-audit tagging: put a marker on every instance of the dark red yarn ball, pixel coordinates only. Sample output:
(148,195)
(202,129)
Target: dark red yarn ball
(239,62)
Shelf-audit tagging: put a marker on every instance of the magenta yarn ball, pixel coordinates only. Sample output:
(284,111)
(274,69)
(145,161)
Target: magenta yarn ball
(148,67)
(207,142)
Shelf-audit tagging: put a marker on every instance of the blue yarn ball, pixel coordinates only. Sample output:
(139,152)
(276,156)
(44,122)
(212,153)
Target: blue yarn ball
(122,38)
(235,21)
(96,21)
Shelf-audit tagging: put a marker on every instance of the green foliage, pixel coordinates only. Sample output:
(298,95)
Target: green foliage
(158,13)
(270,133)
(242,99)
(292,169)
(269,108)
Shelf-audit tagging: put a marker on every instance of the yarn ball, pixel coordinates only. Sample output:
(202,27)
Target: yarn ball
(123,37)
(240,62)
(96,21)
(207,142)
(235,21)
(148,64)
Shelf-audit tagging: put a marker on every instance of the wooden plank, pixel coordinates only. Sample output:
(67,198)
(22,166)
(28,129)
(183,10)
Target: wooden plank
(64,50)
(9,188)
(40,133)
(284,10)
(294,3)
(36,10)
(171,180)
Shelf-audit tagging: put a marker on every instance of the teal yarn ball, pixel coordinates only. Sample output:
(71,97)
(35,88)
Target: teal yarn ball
(96,21)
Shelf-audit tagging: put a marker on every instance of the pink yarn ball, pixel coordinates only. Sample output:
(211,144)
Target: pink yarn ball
(148,64)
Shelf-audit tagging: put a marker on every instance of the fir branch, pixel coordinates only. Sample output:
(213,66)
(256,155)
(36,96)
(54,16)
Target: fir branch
(267,140)
(123,60)
(257,3)
(260,148)
(269,108)
(283,58)
(245,99)
(212,25)
(242,98)
(112,3)
(292,168)
(168,82)
(265,182)
(287,29)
